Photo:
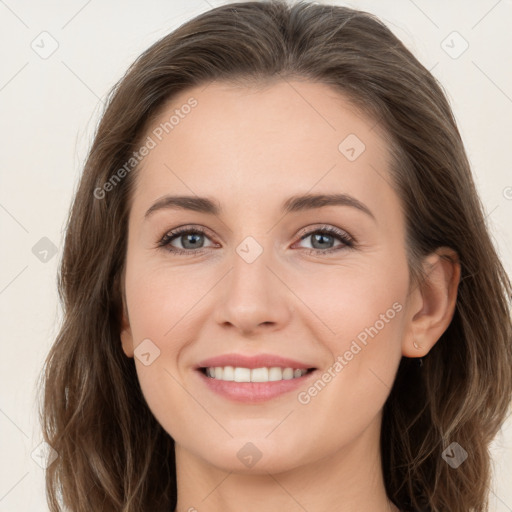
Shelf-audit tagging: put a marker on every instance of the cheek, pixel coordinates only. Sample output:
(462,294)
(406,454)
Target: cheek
(359,318)
(163,307)
(365,311)
(162,297)
(355,300)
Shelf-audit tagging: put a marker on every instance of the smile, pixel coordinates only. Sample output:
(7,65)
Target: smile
(249,391)
(266,374)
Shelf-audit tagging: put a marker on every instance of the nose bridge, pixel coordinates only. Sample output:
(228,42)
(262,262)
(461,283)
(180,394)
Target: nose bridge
(250,279)
(252,294)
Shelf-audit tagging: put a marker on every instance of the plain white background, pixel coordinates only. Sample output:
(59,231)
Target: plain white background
(50,105)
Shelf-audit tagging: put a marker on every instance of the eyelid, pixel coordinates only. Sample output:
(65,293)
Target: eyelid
(347,240)
(173,234)
(309,230)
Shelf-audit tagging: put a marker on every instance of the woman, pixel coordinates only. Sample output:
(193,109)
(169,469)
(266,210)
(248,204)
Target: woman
(215,353)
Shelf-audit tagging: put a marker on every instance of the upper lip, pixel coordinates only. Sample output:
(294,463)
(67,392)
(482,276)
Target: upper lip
(256,361)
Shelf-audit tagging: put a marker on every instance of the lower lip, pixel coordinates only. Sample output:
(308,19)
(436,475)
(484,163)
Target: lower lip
(253,392)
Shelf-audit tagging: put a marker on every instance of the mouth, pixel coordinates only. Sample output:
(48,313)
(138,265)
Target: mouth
(253,375)
(254,386)
(253,378)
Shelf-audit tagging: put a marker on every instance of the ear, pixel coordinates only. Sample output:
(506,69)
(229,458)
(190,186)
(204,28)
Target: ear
(126,331)
(432,302)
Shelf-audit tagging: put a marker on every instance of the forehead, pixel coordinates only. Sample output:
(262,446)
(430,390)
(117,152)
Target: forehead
(288,136)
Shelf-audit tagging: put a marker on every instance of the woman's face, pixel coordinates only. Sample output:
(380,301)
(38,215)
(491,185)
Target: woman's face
(262,279)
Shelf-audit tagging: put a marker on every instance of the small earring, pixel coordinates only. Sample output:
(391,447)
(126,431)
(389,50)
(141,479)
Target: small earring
(420,359)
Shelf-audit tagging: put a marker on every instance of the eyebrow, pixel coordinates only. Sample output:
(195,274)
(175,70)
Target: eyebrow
(293,204)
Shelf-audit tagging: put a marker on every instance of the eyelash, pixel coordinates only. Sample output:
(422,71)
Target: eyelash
(347,240)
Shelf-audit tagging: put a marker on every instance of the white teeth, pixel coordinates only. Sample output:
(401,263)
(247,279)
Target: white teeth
(241,375)
(288,373)
(275,373)
(259,375)
(238,374)
(227,374)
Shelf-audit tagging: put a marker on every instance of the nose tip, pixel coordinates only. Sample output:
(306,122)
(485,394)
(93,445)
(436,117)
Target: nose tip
(252,297)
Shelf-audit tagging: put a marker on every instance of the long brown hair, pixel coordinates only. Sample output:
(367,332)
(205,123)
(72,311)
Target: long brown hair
(113,454)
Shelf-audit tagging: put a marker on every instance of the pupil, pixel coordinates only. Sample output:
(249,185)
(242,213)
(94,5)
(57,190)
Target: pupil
(194,237)
(318,237)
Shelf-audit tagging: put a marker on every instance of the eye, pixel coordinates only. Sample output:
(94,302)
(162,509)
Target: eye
(323,238)
(191,240)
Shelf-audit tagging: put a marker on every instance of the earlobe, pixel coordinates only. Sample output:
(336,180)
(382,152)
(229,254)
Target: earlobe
(126,333)
(127,342)
(436,297)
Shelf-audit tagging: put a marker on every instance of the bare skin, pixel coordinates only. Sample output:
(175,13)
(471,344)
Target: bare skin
(250,149)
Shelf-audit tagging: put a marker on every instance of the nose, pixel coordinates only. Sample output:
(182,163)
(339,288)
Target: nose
(253,297)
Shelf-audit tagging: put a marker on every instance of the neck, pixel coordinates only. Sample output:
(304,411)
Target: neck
(348,480)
